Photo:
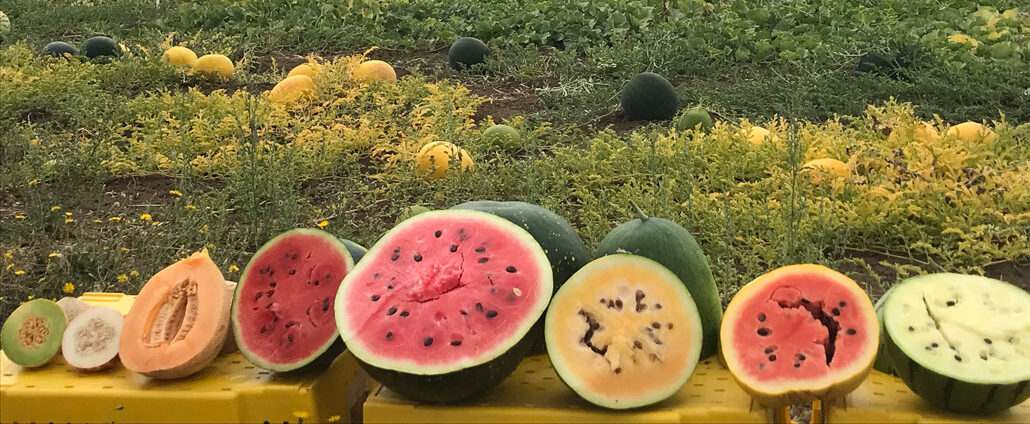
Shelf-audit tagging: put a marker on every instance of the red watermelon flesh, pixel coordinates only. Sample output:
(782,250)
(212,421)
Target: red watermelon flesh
(800,333)
(282,313)
(444,291)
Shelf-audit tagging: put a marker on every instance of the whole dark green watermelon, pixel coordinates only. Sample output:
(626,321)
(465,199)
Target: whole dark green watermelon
(467,52)
(649,96)
(100,46)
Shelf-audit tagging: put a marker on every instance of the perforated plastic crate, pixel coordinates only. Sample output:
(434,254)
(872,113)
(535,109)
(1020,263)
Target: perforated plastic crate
(533,393)
(884,398)
(231,390)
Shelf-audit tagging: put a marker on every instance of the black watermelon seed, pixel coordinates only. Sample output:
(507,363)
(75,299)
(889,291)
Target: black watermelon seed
(395,257)
(764,332)
(389,287)
(761,317)
(911,328)
(836,312)
(988,341)
(769,349)
(293,271)
(801,356)
(418,257)
(637,344)
(656,325)
(480,249)
(257,296)
(618,304)
(479,307)
(843,304)
(328,276)
(510,269)
(951,303)
(272,284)
(934,344)
(797,365)
(428,341)
(958,358)
(929,348)
(603,301)
(483,260)
(772,358)
(454,248)
(389,335)
(491,314)
(851,332)
(325,306)
(455,342)
(404,314)
(375,276)
(463,313)
(375,297)
(669,326)
(983,356)
(438,233)
(397,249)
(658,306)
(391,311)
(618,370)
(293,256)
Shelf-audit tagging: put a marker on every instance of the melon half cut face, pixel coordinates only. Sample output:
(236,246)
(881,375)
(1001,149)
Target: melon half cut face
(798,334)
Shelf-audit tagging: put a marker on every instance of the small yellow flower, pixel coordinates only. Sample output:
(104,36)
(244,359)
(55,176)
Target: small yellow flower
(191,208)
(145,217)
(155,223)
(134,273)
(69,220)
(122,278)
(69,288)
(19,272)
(19,217)
(55,208)
(234,268)
(9,266)
(125,250)
(176,193)
(53,255)
(69,213)
(97,221)
(114,219)
(33,182)
(30,297)
(323,224)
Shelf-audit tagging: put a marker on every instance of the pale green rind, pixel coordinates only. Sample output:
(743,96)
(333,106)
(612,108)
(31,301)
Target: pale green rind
(883,361)
(237,331)
(54,317)
(537,258)
(583,277)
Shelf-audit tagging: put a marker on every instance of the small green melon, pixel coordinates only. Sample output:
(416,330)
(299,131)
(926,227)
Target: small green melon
(59,49)
(100,46)
(649,96)
(411,211)
(467,52)
(5,25)
(694,117)
(502,136)
(31,336)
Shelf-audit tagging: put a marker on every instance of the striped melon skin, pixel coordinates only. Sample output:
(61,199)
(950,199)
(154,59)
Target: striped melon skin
(961,342)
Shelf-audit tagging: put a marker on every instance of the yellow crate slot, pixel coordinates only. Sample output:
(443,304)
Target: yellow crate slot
(231,390)
(533,393)
(884,398)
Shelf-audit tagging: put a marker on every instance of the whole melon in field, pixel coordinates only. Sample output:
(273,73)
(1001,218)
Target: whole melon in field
(293,89)
(503,136)
(649,96)
(799,333)
(822,170)
(924,132)
(434,159)
(693,118)
(214,66)
(972,131)
(410,211)
(439,308)
(100,46)
(672,246)
(374,70)
(282,312)
(962,342)
(59,49)
(5,25)
(623,332)
(31,336)
(757,135)
(180,56)
(179,321)
(311,69)
(467,52)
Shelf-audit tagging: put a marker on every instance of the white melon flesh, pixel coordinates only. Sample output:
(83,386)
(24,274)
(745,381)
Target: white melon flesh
(91,340)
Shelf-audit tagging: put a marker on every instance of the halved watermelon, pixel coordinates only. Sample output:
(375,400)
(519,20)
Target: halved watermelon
(799,333)
(439,308)
(282,311)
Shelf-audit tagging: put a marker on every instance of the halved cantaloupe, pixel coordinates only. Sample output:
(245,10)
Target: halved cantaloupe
(623,332)
(179,321)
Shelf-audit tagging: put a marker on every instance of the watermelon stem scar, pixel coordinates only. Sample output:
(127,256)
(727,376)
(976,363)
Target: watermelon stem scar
(789,298)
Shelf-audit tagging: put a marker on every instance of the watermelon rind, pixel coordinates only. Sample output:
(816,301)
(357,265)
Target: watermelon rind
(575,382)
(954,374)
(883,360)
(332,344)
(535,257)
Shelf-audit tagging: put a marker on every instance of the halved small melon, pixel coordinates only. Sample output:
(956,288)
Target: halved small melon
(623,332)
(31,336)
(90,343)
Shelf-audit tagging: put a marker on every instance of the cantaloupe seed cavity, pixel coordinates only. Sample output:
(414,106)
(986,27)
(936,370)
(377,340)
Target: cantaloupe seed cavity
(94,336)
(175,318)
(33,333)
(637,335)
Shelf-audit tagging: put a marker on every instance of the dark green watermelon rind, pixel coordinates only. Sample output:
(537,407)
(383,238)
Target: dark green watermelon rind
(356,250)
(560,241)
(454,386)
(325,354)
(883,361)
(671,245)
(649,96)
(951,394)
(467,52)
(99,47)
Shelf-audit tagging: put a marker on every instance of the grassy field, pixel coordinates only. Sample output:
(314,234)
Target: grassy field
(110,170)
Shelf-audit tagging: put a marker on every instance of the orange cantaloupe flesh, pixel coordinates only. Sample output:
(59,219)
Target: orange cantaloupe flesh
(179,321)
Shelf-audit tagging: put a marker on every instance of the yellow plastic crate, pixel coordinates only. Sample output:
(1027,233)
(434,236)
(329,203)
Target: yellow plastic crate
(231,390)
(533,393)
(883,398)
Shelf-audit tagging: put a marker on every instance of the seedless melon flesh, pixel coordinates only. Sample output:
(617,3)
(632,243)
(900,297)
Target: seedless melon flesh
(799,333)
(623,332)
(90,342)
(960,341)
(31,336)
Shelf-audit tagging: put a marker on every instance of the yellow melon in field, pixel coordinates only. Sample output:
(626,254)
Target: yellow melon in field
(972,131)
(374,70)
(924,133)
(180,56)
(292,89)
(758,135)
(819,169)
(214,66)
(311,69)
(434,159)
